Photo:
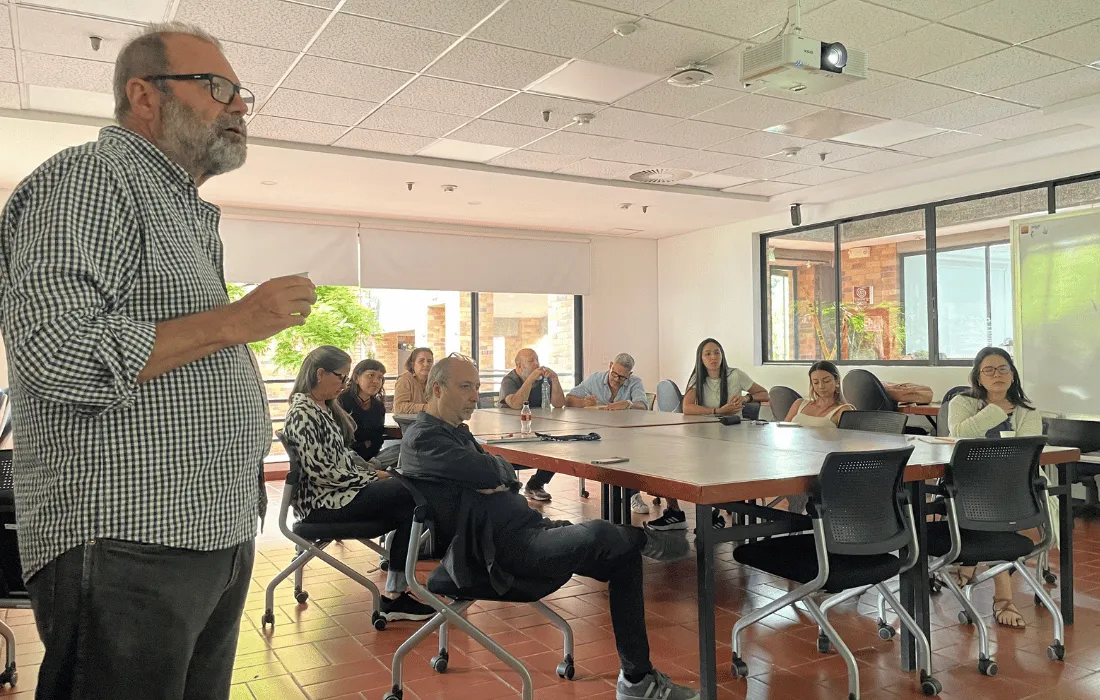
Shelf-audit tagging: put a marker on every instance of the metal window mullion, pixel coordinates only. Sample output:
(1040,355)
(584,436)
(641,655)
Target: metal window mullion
(837,279)
(933,290)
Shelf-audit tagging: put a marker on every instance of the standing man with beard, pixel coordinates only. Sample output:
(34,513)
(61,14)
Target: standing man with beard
(140,417)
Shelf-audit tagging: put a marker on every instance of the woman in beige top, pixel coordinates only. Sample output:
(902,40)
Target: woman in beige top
(409,395)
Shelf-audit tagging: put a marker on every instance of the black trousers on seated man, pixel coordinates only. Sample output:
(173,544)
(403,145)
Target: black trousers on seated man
(130,621)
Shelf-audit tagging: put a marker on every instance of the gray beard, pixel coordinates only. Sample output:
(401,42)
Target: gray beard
(203,150)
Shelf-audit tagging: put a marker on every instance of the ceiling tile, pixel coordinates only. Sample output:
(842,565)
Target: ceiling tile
(634,7)
(271,23)
(625,124)
(663,98)
(817,176)
(5,32)
(929,49)
(1080,44)
(498,133)
(757,112)
(999,70)
(726,67)
(324,75)
(763,169)
(573,144)
(976,110)
(311,107)
(888,133)
(527,108)
(858,24)
(59,71)
(646,153)
(383,141)
(9,96)
(1017,21)
(7,66)
(737,18)
(715,181)
(764,189)
(533,160)
(1054,89)
(929,9)
(879,160)
(490,64)
(70,101)
(279,129)
(834,153)
(389,45)
(760,144)
(559,27)
(596,82)
(692,134)
(257,65)
(454,149)
(603,169)
(1017,127)
(62,34)
(904,98)
(826,124)
(417,122)
(706,161)
(454,16)
(448,96)
(945,143)
(659,48)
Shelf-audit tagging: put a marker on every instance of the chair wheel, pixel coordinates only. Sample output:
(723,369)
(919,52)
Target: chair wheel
(739,668)
(384,565)
(1056,652)
(885,631)
(987,667)
(566,669)
(934,586)
(1049,577)
(930,686)
(392,695)
(300,595)
(965,618)
(268,619)
(823,644)
(657,501)
(379,621)
(439,662)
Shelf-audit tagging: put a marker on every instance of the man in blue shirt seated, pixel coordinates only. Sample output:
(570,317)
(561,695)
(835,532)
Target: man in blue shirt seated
(447,463)
(616,389)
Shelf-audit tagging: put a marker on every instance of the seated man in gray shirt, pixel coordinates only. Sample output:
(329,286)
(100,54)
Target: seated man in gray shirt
(616,389)
(526,384)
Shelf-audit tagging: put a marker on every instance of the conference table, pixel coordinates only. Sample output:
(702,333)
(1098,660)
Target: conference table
(696,459)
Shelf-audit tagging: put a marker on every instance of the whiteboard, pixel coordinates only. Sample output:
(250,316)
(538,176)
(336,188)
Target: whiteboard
(1057,291)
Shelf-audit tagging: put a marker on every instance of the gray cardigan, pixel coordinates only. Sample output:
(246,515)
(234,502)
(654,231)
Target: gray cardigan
(971,418)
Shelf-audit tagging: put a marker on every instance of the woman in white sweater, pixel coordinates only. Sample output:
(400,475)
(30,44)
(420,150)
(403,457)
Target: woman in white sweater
(994,407)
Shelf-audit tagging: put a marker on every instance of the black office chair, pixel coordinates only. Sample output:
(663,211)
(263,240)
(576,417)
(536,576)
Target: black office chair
(1085,436)
(864,391)
(440,584)
(310,540)
(992,492)
(873,422)
(781,398)
(13,592)
(669,397)
(861,519)
(943,424)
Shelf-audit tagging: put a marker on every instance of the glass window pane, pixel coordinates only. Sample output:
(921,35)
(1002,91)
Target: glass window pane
(801,300)
(411,318)
(877,287)
(1078,195)
(507,323)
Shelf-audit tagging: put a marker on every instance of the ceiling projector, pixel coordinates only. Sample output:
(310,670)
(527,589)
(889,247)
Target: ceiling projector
(797,64)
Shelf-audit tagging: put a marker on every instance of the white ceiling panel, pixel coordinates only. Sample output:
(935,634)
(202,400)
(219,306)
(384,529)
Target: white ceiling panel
(760,144)
(659,48)
(257,65)
(280,129)
(640,152)
(765,189)
(736,18)
(558,27)
(70,101)
(692,134)
(929,48)
(663,98)
(879,160)
(1021,125)
(1018,21)
(834,153)
(9,96)
(1054,89)
(7,66)
(625,123)
(888,133)
(60,71)
(271,23)
(706,161)
(858,24)
(636,7)
(383,141)
(491,64)
(999,70)
(498,133)
(5,31)
(533,160)
(594,82)
(968,112)
(416,122)
(573,144)
(714,181)
(363,40)
(763,169)
(945,143)
(826,124)
(324,75)
(1080,44)
(311,107)
(130,10)
(453,16)
(526,108)
(603,169)
(448,96)
(454,149)
(817,176)
(726,67)
(757,112)
(904,98)
(929,9)
(66,35)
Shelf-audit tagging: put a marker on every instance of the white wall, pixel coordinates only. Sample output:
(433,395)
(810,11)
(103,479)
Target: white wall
(620,313)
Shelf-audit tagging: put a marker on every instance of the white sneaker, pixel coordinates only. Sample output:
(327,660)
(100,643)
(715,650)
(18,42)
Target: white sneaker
(637,505)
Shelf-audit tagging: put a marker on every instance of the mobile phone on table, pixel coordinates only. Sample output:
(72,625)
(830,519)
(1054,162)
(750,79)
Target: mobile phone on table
(610,460)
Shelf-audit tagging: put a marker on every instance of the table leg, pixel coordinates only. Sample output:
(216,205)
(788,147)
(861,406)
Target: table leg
(627,495)
(1065,539)
(704,557)
(617,505)
(605,501)
(915,591)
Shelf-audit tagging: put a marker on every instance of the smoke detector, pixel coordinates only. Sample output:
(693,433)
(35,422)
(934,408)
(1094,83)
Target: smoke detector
(661,176)
(584,118)
(624,29)
(691,76)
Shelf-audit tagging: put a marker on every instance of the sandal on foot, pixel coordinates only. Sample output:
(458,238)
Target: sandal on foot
(1003,612)
(961,579)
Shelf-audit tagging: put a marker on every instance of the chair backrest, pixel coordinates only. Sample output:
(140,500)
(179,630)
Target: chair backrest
(651,399)
(889,422)
(293,459)
(860,499)
(489,401)
(404,422)
(781,398)
(997,484)
(943,417)
(1082,434)
(669,398)
(864,391)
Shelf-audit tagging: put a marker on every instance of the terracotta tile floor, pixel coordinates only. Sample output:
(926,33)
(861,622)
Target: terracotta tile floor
(327,648)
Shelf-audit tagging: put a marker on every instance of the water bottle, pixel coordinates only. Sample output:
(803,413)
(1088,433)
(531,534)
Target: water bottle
(546,392)
(525,418)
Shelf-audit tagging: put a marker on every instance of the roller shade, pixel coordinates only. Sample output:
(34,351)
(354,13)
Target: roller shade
(256,251)
(419,260)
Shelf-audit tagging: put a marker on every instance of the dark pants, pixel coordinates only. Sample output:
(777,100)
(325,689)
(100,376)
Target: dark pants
(129,621)
(540,479)
(596,549)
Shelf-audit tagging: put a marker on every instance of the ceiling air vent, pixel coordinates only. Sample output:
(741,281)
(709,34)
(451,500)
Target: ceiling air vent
(661,176)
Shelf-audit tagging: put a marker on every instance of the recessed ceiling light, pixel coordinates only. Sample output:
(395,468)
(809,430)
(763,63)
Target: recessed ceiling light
(462,150)
(592,82)
(268,182)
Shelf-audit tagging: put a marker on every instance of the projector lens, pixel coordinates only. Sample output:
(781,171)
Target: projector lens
(834,56)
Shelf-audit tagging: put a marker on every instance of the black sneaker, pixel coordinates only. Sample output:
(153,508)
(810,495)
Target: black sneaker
(671,520)
(536,493)
(405,607)
(718,521)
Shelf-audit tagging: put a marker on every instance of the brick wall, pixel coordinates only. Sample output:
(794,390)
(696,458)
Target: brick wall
(560,329)
(465,324)
(808,346)
(486,319)
(437,330)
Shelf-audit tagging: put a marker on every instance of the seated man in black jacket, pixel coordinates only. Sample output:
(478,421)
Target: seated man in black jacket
(439,452)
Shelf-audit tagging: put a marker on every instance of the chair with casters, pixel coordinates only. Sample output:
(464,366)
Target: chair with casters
(862,520)
(873,422)
(13,592)
(440,585)
(310,541)
(1085,436)
(669,397)
(943,425)
(651,399)
(991,493)
(781,398)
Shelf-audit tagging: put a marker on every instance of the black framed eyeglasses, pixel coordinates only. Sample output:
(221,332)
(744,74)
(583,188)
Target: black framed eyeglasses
(342,377)
(222,89)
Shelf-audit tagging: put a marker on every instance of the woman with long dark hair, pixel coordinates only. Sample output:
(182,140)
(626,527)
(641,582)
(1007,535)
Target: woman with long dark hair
(409,395)
(364,400)
(825,402)
(995,406)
